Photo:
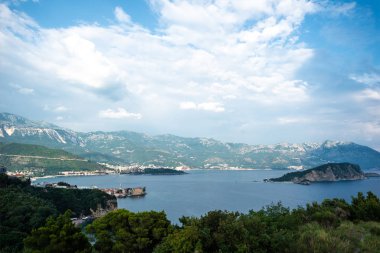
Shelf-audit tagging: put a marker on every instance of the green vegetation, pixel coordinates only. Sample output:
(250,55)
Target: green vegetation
(20,212)
(57,236)
(331,226)
(124,231)
(34,150)
(42,161)
(162,171)
(24,208)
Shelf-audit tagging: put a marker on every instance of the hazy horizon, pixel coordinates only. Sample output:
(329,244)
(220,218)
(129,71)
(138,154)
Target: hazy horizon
(255,72)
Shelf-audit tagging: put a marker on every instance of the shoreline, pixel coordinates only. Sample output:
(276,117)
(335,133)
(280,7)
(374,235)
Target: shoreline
(32,179)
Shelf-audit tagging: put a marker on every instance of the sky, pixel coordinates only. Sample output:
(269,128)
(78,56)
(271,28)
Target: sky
(256,72)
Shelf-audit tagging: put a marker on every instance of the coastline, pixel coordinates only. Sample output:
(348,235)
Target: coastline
(115,173)
(32,179)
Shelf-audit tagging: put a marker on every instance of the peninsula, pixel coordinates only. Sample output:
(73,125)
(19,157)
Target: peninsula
(325,173)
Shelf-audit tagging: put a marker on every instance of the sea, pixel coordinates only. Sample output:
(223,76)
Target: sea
(201,191)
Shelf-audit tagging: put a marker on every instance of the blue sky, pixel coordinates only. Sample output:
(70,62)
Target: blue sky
(258,72)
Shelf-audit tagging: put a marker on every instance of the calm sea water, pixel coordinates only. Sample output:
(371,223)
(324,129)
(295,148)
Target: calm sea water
(200,191)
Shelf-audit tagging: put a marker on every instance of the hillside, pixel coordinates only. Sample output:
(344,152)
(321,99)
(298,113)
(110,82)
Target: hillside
(35,150)
(41,161)
(25,207)
(324,173)
(125,147)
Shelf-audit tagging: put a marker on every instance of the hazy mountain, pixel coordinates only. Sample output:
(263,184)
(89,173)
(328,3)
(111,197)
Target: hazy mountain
(169,150)
(19,129)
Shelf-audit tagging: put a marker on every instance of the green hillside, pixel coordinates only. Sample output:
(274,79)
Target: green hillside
(41,161)
(25,207)
(34,150)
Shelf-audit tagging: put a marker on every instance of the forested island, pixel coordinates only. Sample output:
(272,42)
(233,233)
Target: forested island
(324,173)
(159,171)
(36,219)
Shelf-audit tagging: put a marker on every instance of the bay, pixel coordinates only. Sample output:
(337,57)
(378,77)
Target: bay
(200,191)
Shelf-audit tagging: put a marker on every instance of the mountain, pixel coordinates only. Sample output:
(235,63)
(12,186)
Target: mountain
(125,147)
(38,160)
(324,173)
(15,128)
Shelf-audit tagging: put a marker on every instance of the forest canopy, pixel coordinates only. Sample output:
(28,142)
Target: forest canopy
(28,214)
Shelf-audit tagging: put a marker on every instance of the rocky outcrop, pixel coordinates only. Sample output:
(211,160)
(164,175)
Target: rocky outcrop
(325,173)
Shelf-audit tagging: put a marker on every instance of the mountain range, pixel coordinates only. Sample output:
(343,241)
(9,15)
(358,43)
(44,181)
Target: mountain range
(126,147)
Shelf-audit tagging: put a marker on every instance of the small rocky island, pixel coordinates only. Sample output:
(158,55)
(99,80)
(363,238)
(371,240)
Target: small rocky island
(325,173)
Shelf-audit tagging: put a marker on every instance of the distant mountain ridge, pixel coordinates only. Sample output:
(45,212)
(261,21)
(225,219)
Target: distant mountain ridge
(125,147)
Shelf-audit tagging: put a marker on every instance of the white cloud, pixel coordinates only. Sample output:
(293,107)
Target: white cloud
(291,120)
(368,94)
(207,106)
(188,105)
(119,113)
(121,16)
(369,79)
(60,108)
(22,90)
(229,48)
(344,8)
(369,130)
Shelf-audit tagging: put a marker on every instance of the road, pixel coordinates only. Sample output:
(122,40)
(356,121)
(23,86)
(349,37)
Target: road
(43,157)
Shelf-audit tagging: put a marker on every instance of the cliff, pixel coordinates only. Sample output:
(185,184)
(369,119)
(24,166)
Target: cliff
(324,173)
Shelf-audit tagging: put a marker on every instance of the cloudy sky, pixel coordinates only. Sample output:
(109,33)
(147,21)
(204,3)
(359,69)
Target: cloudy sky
(259,72)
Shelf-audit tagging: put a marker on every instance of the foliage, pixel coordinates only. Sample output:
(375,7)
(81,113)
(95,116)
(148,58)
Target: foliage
(325,227)
(33,150)
(346,238)
(58,235)
(20,212)
(124,231)
(80,201)
(162,171)
(24,208)
(6,181)
(63,184)
(331,226)
(366,208)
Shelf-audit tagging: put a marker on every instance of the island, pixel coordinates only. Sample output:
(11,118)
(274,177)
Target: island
(156,171)
(372,174)
(329,172)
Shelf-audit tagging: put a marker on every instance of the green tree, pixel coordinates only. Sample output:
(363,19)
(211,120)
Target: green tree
(123,231)
(366,208)
(20,212)
(59,235)
(186,240)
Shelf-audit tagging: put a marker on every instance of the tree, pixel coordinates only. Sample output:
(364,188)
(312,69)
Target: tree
(123,231)
(366,208)
(59,235)
(20,212)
